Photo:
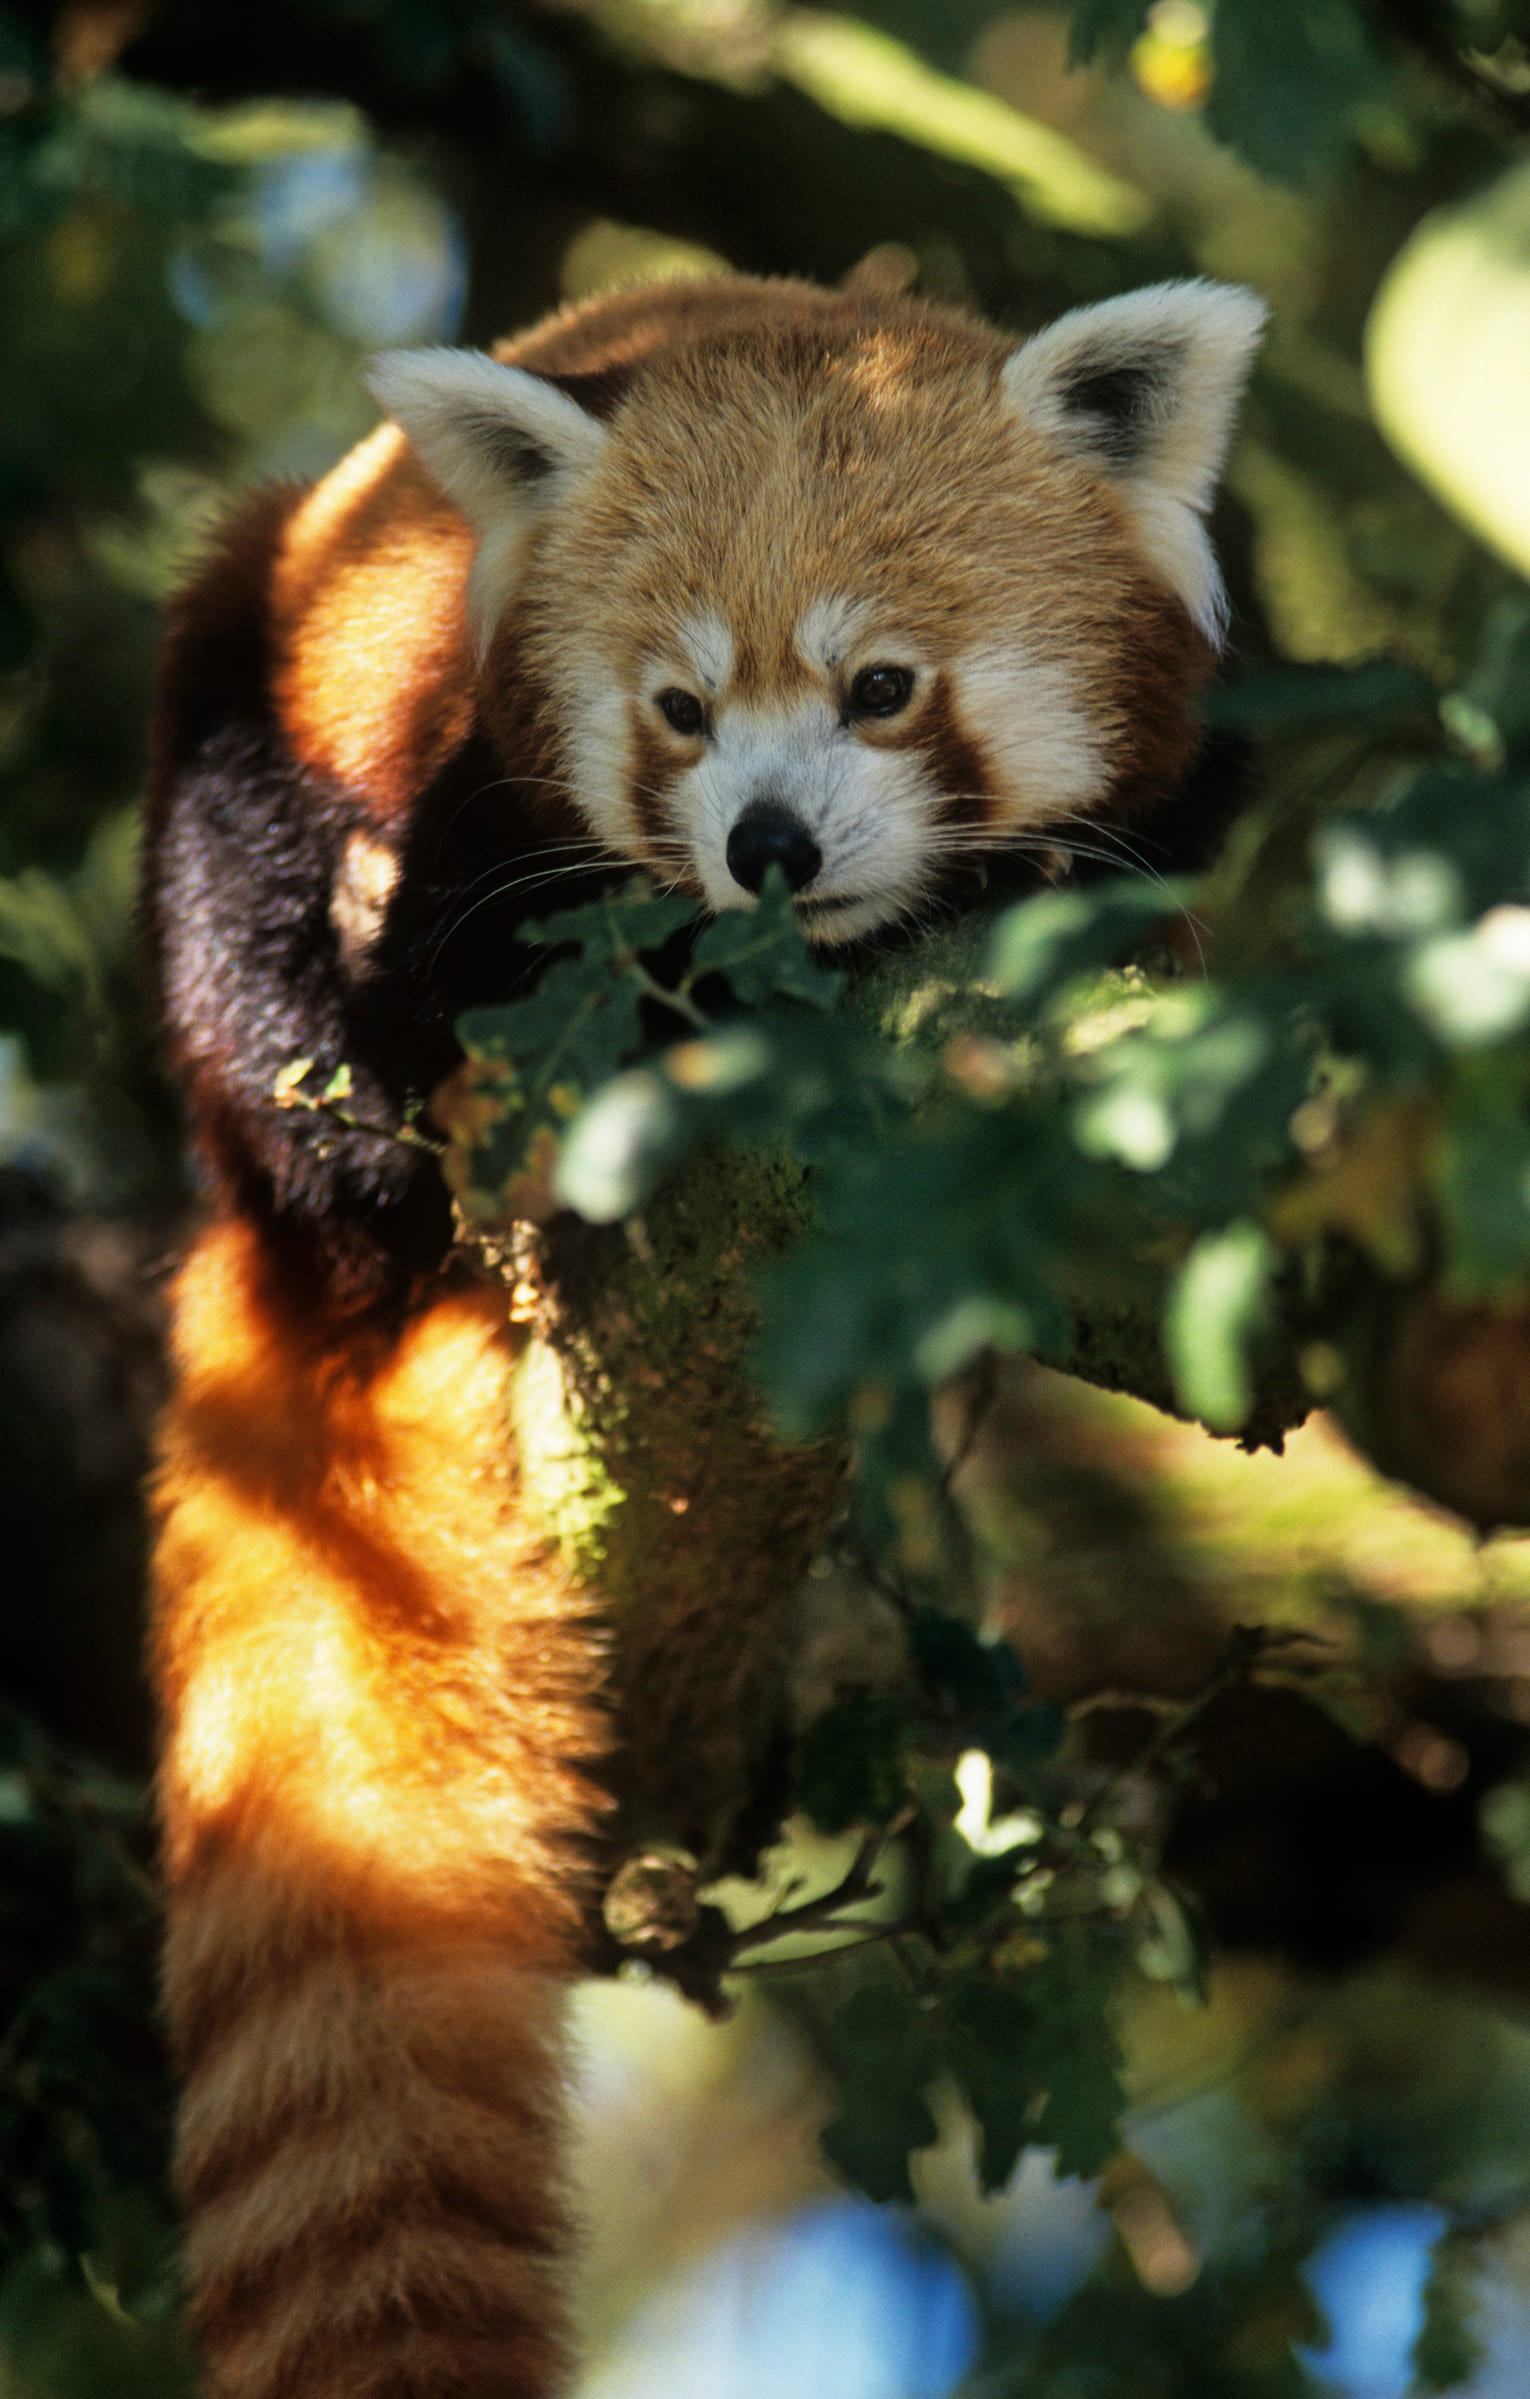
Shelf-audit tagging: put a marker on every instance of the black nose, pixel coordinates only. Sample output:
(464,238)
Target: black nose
(767,834)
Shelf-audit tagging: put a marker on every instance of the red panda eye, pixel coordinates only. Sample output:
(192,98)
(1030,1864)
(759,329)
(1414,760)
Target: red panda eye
(880,690)
(683,711)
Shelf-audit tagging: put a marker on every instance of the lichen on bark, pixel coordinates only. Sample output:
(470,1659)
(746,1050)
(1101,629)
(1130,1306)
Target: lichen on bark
(648,1457)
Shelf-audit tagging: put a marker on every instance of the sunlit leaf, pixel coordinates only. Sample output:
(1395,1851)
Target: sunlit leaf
(867,78)
(1048,942)
(1218,1305)
(1448,358)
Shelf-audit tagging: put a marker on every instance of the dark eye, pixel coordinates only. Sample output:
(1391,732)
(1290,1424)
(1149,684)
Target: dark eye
(880,690)
(683,711)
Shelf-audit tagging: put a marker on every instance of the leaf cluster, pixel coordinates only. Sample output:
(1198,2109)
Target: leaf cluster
(84,2082)
(1354,1080)
(1357,1077)
(1291,86)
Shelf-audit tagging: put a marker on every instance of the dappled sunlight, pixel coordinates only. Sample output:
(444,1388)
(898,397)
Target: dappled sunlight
(1448,357)
(869,79)
(374,1702)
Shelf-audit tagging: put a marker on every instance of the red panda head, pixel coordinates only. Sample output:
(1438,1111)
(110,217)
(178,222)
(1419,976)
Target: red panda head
(858,594)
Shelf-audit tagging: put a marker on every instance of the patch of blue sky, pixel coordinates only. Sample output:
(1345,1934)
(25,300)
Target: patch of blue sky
(835,2301)
(1052,2234)
(393,269)
(1368,2277)
(294,198)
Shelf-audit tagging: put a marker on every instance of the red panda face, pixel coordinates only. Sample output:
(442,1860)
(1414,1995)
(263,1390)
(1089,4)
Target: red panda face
(860,597)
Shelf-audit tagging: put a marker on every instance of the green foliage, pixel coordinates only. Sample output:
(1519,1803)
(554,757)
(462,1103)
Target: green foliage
(83,2081)
(850,1766)
(993,1979)
(1029,2052)
(1447,2351)
(1105,29)
(1291,86)
(887,2053)
(1289,80)
(1237,1113)
(539,1062)
(1230,2336)
(1217,1309)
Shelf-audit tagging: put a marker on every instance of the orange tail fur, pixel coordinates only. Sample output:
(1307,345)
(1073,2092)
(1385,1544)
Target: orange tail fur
(381,1705)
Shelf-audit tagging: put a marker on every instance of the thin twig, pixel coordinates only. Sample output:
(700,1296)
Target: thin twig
(984,1393)
(1246,1644)
(817,1915)
(405,1136)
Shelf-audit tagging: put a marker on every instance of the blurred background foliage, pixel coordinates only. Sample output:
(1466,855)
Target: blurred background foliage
(209,217)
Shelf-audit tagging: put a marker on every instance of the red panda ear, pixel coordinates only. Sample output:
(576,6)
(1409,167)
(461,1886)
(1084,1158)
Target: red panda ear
(498,440)
(1145,388)
(489,434)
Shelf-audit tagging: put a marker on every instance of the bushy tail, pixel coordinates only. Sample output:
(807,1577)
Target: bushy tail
(381,1705)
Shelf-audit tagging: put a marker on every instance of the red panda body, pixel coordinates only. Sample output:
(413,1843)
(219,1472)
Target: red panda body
(709,578)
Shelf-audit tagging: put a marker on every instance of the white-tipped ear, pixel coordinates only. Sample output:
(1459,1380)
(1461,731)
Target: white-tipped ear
(499,442)
(1145,388)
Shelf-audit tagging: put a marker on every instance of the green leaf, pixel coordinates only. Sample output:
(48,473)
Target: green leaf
(42,930)
(1481,1178)
(990,2024)
(922,1253)
(871,2140)
(619,925)
(532,1063)
(972,1677)
(1047,943)
(1104,29)
(1448,2350)
(779,1076)
(1287,80)
(1489,713)
(1476,826)
(1076,2060)
(881,2031)
(763,952)
(1472,989)
(884,2050)
(850,1767)
(1219,1303)
(1269,702)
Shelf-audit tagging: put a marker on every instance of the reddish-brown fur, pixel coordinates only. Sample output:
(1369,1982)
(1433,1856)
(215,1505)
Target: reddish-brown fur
(380,1705)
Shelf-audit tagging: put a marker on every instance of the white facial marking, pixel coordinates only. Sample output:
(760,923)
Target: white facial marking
(706,646)
(868,809)
(600,759)
(1037,733)
(828,630)
(363,886)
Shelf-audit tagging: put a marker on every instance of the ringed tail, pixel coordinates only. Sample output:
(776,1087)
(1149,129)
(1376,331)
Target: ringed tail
(382,1718)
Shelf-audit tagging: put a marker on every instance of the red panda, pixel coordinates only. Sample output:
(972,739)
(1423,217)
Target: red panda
(708,578)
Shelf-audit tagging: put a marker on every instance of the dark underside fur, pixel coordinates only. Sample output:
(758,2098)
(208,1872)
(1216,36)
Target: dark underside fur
(243,847)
